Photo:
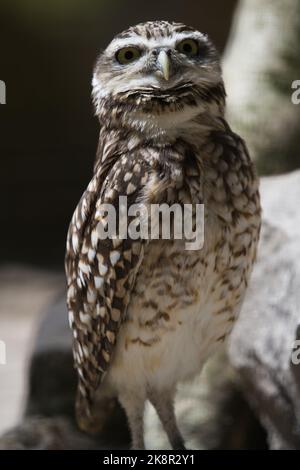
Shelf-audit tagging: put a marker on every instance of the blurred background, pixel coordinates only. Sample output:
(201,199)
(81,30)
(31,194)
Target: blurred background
(48,134)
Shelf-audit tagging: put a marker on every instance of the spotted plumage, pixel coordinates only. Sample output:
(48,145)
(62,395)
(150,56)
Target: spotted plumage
(146,314)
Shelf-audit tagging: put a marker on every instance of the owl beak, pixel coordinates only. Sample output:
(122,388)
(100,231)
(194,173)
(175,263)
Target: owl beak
(163,63)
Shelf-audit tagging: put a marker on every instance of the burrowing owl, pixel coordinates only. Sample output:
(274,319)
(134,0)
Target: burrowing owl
(147,314)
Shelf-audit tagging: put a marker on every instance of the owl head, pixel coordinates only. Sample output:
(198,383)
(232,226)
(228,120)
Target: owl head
(155,68)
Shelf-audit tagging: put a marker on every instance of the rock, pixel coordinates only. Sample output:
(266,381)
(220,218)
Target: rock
(52,387)
(52,379)
(262,342)
(25,292)
(45,434)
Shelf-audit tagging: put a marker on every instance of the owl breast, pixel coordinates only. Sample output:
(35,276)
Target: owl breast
(183,306)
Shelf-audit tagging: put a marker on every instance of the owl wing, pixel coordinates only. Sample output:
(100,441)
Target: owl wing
(100,275)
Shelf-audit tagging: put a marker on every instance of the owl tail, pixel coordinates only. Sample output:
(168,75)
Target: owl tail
(92,414)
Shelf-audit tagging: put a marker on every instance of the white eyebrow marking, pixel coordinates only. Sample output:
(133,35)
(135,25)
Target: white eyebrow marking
(159,41)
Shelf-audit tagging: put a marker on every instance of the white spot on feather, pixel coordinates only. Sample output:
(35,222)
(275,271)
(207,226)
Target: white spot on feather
(91,296)
(98,281)
(85,318)
(101,311)
(75,241)
(71,318)
(130,188)
(71,292)
(102,269)
(85,268)
(127,176)
(114,257)
(94,238)
(91,254)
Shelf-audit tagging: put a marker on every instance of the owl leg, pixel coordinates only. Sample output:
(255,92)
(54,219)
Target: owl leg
(163,402)
(134,408)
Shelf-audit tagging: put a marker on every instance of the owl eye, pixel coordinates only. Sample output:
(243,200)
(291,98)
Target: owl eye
(188,47)
(127,55)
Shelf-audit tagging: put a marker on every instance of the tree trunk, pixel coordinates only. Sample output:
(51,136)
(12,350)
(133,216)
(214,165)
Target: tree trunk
(261,62)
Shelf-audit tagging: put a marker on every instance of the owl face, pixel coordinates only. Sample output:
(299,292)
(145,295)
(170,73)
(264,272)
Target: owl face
(156,63)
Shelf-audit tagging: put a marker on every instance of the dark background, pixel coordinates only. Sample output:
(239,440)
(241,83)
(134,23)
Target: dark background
(48,134)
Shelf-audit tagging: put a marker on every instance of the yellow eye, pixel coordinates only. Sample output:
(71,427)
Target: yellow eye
(188,47)
(127,55)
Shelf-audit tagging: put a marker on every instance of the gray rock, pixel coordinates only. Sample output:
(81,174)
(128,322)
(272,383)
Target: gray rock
(262,342)
(52,379)
(52,388)
(42,433)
